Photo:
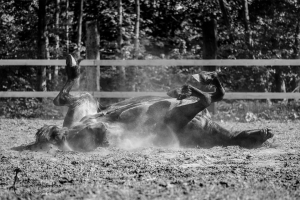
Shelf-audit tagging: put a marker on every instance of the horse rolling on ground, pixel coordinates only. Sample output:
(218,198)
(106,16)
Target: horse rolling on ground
(182,116)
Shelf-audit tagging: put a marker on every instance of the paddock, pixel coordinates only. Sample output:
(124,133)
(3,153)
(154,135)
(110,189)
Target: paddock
(145,172)
(133,170)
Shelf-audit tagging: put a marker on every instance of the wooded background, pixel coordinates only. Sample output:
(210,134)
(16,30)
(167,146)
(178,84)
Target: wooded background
(144,29)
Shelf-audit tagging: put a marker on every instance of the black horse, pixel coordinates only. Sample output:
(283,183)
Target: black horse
(182,117)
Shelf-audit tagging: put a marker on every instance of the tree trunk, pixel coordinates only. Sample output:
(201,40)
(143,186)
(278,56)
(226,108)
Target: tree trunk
(137,29)
(55,68)
(79,33)
(92,81)
(210,48)
(48,68)
(79,39)
(297,56)
(248,34)
(121,69)
(296,44)
(133,69)
(67,26)
(279,81)
(227,19)
(120,13)
(266,87)
(42,42)
(296,47)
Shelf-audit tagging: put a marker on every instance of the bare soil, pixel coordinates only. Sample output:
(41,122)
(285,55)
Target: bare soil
(269,172)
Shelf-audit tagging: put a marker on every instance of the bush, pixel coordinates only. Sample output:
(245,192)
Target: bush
(29,108)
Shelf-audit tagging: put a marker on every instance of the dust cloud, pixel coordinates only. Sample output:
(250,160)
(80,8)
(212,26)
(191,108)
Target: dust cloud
(119,137)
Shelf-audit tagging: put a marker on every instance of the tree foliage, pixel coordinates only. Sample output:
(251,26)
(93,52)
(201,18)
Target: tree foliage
(168,29)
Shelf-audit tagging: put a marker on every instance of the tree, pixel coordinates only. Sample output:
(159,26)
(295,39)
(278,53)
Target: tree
(210,48)
(167,29)
(55,68)
(136,42)
(120,24)
(296,47)
(121,69)
(79,36)
(137,28)
(67,26)
(42,45)
(224,8)
(79,32)
(92,52)
(248,34)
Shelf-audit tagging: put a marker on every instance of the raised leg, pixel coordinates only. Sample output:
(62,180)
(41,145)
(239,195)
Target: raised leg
(75,135)
(209,79)
(64,98)
(181,115)
(79,105)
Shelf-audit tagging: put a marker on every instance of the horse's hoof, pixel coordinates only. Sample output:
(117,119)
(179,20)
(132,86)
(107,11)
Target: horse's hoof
(267,133)
(185,92)
(72,68)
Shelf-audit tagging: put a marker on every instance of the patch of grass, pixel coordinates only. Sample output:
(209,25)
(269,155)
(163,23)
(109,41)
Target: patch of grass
(247,111)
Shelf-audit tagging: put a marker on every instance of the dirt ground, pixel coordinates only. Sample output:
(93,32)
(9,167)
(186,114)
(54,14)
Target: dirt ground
(269,172)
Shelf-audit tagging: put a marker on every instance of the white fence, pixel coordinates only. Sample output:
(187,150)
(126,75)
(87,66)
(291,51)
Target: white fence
(232,95)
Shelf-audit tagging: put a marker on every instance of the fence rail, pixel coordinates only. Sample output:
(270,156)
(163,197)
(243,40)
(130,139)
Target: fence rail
(234,95)
(240,62)
(230,95)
